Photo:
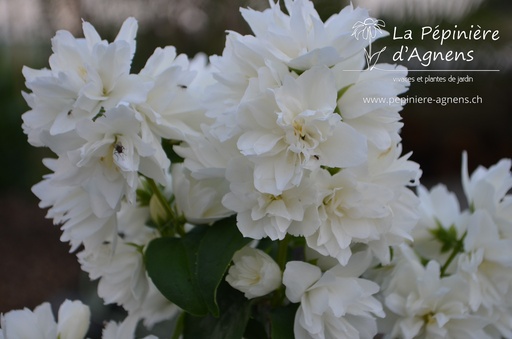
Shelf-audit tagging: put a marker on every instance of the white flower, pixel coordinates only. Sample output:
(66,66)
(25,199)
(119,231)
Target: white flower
(205,152)
(395,171)
(487,188)
(500,319)
(73,320)
(171,110)
(367,204)
(27,324)
(123,278)
(486,262)
(51,100)
(86,76)
(199,198)
(101,68)
(300,39)
(299,130)
(121,330)
(439,211)
(156,308)
(259,215)
(360,106)
(113,154)
(83,220)
(351,211)
(426,305)
(118,263)
(334,304)
(438,207)
(123,281)
(254,273)
(297,41)
(243,61)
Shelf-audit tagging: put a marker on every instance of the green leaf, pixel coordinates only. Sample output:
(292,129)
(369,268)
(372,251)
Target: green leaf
(235,310)
(170,264)
(282,320)
(216,250)
(189,270)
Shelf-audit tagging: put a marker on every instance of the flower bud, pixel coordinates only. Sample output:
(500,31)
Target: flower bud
(157,210)
(73,320)
(254,273)
(25,323)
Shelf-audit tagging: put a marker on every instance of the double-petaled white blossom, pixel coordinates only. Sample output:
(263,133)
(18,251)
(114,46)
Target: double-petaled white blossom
(112,156)
(362,108)
(471,246)
(260,215)
(422,304)
(367,204)
(83,220)
(276,130)
(118,265)
(171,109)
(333,304)
(199,196)
(296,128)
(86,75)
(486,262)
(300,39)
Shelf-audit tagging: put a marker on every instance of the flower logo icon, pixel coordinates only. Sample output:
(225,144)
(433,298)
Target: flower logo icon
(368,30)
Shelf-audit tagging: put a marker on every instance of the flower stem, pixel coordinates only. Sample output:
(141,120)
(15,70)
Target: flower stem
(458,248)
(282,255)
(177,221)
(160,197)
(282,252)
(180,324)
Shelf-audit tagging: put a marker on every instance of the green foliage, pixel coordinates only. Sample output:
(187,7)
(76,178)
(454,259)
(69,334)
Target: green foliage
(449,240)
(255,330)
(282,320)
(236,319)
(144,194)
(188,270)
(447,237)
(235,310)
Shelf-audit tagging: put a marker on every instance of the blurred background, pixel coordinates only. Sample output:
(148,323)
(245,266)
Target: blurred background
(36,267)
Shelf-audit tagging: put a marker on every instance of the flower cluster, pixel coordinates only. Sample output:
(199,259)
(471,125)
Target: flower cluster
(455,280)
(288,197)
(107,127)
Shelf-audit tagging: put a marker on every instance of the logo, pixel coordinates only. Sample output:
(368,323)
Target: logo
(368,30)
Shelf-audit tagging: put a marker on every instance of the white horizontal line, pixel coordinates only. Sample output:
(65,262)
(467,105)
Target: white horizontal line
(425,70)
(453,70)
